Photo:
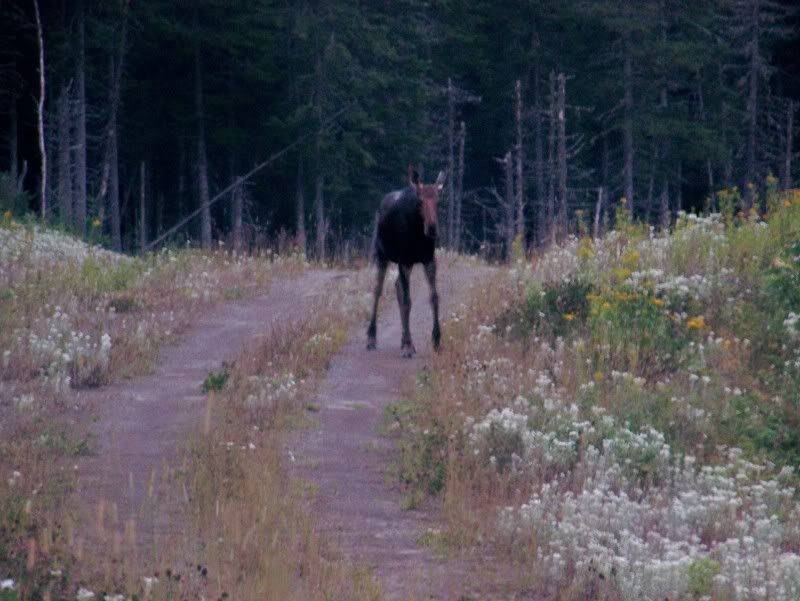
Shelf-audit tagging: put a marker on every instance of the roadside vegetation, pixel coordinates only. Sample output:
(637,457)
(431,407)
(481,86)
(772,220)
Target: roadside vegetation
(619,416)
(72,316)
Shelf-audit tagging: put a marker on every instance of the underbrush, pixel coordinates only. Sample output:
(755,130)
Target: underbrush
(620,416)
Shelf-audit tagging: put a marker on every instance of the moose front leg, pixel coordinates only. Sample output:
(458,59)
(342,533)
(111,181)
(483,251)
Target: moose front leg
(403,288)
(430,274)
(373,327)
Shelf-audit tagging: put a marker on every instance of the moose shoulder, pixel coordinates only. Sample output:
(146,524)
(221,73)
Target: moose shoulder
(406,235)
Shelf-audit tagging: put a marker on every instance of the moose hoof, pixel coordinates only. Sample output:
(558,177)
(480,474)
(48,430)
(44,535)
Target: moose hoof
(407,351)
(371,343)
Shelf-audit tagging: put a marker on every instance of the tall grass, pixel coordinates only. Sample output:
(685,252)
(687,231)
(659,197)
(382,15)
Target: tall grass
(619,417)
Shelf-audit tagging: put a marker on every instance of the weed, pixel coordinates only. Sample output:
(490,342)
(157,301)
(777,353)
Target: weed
(215,381)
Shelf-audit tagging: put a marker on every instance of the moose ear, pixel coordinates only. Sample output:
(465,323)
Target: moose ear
(440,181)
(413,176)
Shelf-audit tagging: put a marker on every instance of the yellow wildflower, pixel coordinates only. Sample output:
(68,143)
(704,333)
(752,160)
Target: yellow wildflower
(658,302)
(597,376)
(787,203)
(569,316)
(622,273)
(696,323)
(593,298)
(96,222)
(606,305)
(585,249)
(630,258)
(7,215)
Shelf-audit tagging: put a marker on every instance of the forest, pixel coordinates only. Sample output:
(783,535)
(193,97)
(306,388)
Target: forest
(137,123)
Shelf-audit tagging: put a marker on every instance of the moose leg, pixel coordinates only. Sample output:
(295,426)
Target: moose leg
(430,274)
(403,287)
(373,327)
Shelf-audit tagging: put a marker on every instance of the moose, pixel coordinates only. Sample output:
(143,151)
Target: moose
(406,235)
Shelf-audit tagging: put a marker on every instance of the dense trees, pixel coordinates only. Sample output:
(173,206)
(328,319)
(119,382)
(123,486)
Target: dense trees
(538,109)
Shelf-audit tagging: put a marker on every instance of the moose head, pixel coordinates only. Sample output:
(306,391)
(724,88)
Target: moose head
(428,195)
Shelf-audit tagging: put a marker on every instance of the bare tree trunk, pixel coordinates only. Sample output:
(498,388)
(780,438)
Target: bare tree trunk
(182,210)
(551,162)
(300,206)
(709,166)
(142,209)
(462,136)
(679,188)
(202,164)
(606,175)
(79,213)
(450,162)
(116,69)
(664,215)
(238,197)
(648,207)
(64,166)
(752,101)
(160,215)
(787,158)
(508,167)
(627,128)
(539,158)
(13,145)
(40,112)
(113,192)
(598,209)
(322,224)
(520,191)
(562,154)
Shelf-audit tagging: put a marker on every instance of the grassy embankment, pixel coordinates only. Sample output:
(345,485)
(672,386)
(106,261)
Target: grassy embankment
(621,417)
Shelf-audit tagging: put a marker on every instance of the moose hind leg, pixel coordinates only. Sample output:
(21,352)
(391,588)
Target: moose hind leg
(373,327)
(403,288)
(430,275)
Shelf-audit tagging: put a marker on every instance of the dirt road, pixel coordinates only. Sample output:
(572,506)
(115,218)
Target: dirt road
(141,424)
(346,456)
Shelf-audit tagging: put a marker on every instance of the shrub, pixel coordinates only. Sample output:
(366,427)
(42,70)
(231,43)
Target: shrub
(552,311)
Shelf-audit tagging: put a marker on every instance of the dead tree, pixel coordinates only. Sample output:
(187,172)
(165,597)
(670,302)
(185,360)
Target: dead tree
(459,193)
(538,149)
(321,222)
(202,162)
(551,162)
(562,154)
(40,111)
(110,169)
(451,103)
(598,210)
(238,200)
(142,209)
(64,164)
(300,207)
(627,124)
(786,179)
(112,166)
(518,152)
(79,212)
(508,168)
(455,96)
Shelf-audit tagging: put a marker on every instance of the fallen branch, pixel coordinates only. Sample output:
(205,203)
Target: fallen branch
(239,180)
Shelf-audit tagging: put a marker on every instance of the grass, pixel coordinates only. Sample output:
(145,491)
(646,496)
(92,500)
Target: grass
(61,299)
(580,394)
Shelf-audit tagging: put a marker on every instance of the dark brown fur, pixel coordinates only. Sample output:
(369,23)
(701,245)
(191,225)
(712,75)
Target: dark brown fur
(406,235)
